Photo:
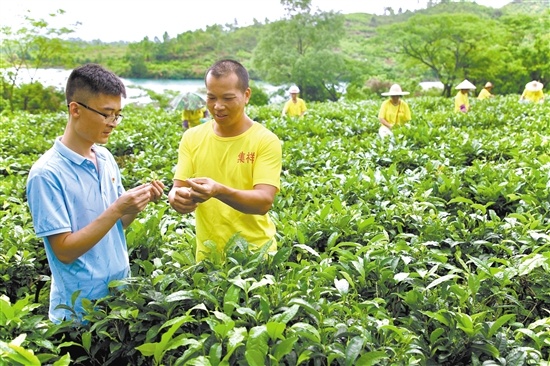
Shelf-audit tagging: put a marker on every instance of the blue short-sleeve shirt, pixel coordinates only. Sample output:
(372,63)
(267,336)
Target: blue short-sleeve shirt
(65,193)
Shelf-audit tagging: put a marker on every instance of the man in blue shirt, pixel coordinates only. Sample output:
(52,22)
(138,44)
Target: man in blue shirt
(78,204)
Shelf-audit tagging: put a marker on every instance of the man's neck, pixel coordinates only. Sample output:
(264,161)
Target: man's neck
(235,129)
(79,147)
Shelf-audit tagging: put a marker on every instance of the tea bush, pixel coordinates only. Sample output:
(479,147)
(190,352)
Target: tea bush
(430,248)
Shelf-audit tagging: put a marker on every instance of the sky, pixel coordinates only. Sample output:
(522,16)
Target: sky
(132,20)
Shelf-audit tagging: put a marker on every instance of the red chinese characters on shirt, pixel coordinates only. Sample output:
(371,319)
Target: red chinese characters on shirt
(246,157)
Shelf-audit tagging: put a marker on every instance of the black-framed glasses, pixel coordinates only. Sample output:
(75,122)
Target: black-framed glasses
(109,118)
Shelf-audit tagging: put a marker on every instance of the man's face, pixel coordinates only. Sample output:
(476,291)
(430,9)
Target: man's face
(91,124)
(294,96)
(225,100)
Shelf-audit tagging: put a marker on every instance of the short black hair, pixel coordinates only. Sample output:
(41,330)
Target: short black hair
(93,79)
(226,67)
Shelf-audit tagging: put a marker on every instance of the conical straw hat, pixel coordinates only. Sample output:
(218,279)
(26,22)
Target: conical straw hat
(465,85)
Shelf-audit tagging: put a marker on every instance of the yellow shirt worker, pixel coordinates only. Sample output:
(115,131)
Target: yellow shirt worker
(228,169)
(241,162)
(295,107)
(462,103)
(532,92)
(193,117)
(485,93)
(393,111)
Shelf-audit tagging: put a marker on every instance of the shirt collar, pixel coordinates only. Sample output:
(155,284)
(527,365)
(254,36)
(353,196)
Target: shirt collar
(70,154)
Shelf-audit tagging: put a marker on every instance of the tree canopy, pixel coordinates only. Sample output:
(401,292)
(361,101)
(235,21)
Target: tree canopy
(303,50)
(34,45)
(451,46)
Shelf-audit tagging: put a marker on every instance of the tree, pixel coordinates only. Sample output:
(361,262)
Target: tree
(36,98)
(28,48)
(302,50)
(259,95)
(451,46)
(319,74)
(528,42)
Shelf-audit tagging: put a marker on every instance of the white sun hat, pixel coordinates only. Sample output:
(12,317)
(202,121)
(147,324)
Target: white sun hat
(395,89)
(294,89)
(465,85)
(534,86)
(488,84)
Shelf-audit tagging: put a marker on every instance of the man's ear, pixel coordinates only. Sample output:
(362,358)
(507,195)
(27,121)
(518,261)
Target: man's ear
(247,95)
(74,109)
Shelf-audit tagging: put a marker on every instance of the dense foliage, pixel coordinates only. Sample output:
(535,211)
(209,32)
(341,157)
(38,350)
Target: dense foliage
(432,248)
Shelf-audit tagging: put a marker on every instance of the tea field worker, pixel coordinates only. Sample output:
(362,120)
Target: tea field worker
(77,201)
(193,118)
(394,111)
(485,93)
(228,169)
(294,107)
(461,99)
(532,92)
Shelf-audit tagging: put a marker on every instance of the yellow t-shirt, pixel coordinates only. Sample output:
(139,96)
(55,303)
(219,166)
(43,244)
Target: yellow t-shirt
(461,99)
(240,162)
(292,109)
(193,117)
(484,94)
(533,96)
(395,114)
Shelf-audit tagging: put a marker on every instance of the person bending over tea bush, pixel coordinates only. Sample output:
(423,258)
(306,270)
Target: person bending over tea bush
(228,169)
(462,104)
(532,93)
(485,93)
(394,111)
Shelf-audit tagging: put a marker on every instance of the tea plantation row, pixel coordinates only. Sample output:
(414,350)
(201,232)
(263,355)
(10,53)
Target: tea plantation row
(432,248)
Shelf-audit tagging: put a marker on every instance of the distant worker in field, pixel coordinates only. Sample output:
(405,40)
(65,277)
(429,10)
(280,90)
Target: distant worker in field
(394,111)
(193,118)
(485,93)
(462,103)
(295,107)
(193,108)
(532,92)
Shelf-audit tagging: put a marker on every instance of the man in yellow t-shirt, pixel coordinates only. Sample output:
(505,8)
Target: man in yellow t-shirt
(295,107)
(485,93)
(532,92)
(393,111)
(462,103)
(228,169)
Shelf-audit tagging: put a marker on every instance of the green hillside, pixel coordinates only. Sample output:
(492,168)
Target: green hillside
(367,52)
(527,6)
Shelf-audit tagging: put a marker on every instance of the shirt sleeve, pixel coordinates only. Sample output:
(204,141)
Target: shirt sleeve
(285,107)
(184,170)
(407,113)
(458,102)
(382,112)
(47,205)
(304,108)
(268,166)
